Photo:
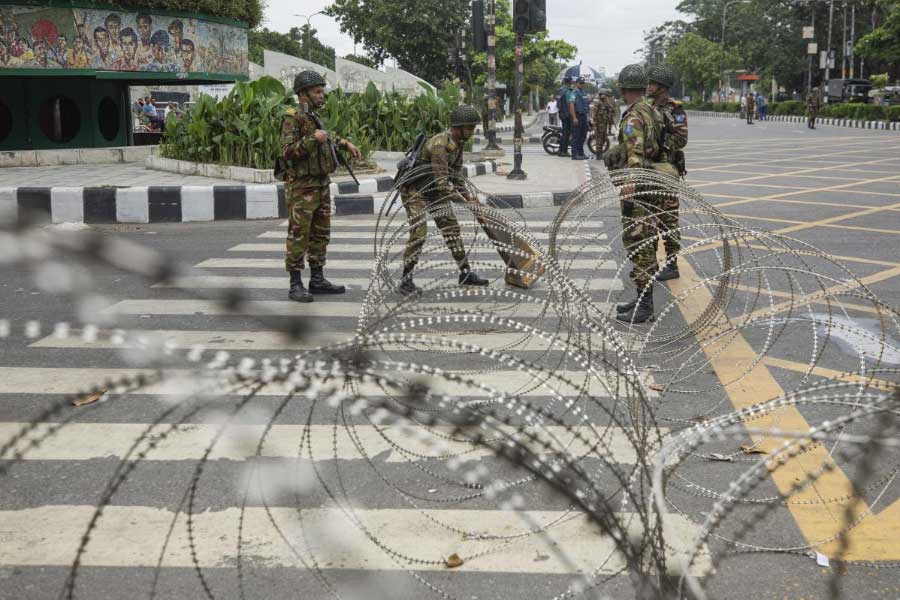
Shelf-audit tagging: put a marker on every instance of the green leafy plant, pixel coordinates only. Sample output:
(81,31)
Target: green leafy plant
(244,128)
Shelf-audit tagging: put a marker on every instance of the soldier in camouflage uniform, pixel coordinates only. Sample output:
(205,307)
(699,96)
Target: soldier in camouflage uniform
(640,133)
(308,154)
(812,108)
(440,182)
(661,79)
(602,118)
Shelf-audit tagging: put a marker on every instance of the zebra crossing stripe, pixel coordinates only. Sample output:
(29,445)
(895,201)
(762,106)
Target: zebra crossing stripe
(368,248)
(180,382)
(134,536)
(347,264)
(355,235)
(89,441)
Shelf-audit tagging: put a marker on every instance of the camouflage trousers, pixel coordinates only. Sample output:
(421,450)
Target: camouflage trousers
(638,233)
(309,225)
(418,207)
(667,218)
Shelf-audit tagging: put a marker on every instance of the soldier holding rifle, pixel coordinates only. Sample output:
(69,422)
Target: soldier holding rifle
(310,154)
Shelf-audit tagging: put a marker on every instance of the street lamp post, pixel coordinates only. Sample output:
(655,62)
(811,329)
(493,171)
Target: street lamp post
(491,133)
(309,30)
(722,39)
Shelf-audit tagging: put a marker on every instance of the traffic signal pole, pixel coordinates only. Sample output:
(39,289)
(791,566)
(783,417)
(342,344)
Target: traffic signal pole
(517,172)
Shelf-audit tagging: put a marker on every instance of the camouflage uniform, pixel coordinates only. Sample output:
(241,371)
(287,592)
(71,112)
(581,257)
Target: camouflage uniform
(812,108)
(639,136)
(306,190)
(676,138)
(602,118)
(432,194)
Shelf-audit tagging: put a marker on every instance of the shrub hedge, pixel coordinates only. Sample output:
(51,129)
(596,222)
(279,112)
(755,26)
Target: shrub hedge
(249,11)
(857,111)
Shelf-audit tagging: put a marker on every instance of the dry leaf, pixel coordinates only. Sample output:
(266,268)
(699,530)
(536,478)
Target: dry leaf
(657,387)
(752,450)
(721,457)
(454,561)
(88,398)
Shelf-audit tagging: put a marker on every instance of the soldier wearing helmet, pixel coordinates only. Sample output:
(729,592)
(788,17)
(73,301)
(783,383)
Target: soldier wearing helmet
(602,115)
(639,148)
(434,181)
(661,79)
(308,160)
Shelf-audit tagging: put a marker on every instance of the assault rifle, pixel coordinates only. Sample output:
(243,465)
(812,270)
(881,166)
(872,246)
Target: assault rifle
(335,154)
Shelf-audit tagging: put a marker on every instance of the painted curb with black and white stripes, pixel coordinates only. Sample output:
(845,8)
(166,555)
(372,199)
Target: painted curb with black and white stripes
(852,123)
(183,204)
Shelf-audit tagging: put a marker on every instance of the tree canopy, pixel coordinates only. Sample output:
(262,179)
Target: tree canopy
(249,11)
(417,37)
(293,44)
(700,61)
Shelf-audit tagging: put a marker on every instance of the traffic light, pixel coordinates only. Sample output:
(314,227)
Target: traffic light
(529,16)
(521,16)
(479,35)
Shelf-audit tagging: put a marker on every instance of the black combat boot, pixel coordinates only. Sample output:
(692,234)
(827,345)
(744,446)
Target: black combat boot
(298,293)
(470,277)
(641,313)
(319,285)
(407,287)
(670,271)
(627,306)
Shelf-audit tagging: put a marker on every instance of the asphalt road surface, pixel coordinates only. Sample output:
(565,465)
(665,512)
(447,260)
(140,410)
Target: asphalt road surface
(836,190)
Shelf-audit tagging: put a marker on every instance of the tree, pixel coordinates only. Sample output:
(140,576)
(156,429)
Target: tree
(362,60)
(418,38)
(883,43)
(699,61)
(660,40)
(290,43)
(311,48)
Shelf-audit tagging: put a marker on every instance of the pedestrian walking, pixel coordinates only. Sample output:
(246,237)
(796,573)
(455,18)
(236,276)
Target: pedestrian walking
(562,104)
(661,78)
(750,107)
(432,190)
(309,157)
(553,111)
(579,106)
(640,132)
(812,107)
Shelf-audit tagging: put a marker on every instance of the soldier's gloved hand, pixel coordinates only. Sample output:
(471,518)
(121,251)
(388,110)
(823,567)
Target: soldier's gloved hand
(352,149)
(321,136)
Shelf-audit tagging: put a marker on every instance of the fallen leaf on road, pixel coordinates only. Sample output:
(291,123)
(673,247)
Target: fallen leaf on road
(454,561)
(752,450)
(88,398)
(657,387)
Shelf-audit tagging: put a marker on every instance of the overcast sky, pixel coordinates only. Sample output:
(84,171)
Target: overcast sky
(606,33)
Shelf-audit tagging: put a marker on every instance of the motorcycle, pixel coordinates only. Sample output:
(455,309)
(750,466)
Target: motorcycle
(553,133)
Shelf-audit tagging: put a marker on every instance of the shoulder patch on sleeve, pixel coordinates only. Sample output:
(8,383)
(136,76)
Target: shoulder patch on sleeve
(629,129)
(677,102)
(292,111)
(679,118)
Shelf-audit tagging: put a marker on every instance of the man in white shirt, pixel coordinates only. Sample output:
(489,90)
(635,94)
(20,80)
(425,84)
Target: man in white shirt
(553,111)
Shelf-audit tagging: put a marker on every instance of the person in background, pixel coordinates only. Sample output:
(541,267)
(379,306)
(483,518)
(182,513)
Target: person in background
(750,107)
(579,107)
(762,105)
(553,111)
(565,119)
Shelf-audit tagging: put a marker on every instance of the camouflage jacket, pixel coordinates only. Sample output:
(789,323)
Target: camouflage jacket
(677,124)
(812,101)
(639,135)
(602,112)
(446,160)
(309,162)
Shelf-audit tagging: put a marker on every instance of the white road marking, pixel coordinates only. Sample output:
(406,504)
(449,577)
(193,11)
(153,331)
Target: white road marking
(356,264)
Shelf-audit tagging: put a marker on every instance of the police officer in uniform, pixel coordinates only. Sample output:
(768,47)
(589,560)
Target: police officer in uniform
(564,118)
(579,107)
(308,153)
(431,193)
(640,132)
(661,79)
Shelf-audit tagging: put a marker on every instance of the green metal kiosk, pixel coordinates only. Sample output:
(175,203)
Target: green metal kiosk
(65,67)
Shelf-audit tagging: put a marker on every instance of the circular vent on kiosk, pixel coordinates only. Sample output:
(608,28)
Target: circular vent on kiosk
(60,119)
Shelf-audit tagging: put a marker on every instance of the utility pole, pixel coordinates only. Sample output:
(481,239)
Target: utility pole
(844,46)
(722,40)
(517,172)
(852,39)
(828,54)
(491,134)
(812,23)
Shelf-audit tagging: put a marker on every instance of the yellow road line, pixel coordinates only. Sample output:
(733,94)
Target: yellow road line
(798,367)
(875,539)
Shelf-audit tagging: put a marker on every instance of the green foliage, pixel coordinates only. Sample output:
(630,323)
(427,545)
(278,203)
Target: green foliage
(788,108)
(880,81)
(362,60)
(861,112)
(892,113)
(883,43)
(698,61)
(416,36)
(244,128)
(249,11)
(293,44)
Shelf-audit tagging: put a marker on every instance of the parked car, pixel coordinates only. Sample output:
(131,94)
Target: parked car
(848,90)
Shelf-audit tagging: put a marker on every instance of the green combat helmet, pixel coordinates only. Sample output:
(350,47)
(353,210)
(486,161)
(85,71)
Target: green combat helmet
(633,77)
(462,116)
(662,74)
(307,79)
